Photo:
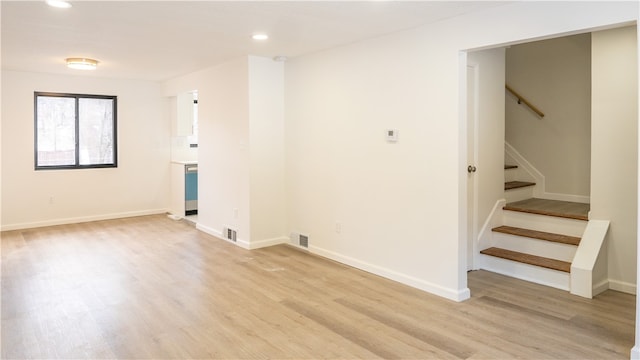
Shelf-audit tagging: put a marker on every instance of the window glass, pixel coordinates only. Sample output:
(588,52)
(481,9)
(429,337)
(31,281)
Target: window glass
(96,131)
(56,131)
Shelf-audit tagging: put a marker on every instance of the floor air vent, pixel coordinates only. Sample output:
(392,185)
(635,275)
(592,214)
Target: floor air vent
(229,234)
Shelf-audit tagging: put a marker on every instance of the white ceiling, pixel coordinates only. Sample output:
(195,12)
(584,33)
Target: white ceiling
(158,40)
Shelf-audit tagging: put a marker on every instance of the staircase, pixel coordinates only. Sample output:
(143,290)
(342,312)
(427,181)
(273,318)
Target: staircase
(537,239)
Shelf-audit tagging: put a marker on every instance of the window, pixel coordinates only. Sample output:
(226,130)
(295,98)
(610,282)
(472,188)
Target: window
(75,131)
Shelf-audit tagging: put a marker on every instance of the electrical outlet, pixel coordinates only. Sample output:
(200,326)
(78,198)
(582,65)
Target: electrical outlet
(235,213)
(392,135)
(338,227)
(51,199)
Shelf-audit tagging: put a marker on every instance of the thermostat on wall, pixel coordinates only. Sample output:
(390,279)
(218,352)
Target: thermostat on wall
(392,135)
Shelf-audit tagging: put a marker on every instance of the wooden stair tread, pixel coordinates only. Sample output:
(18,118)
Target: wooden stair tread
(541,235)
(528,259)
(563,209)
(507,167)
(517,184)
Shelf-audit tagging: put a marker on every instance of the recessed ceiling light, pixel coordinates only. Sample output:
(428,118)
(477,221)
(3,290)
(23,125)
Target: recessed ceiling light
(82,63)
(59,4)
(260,36)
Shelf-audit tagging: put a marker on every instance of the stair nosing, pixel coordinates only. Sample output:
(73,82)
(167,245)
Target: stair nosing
(540,235)
(510,185)
(540,261)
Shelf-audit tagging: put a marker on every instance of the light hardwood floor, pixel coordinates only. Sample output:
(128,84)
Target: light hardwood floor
(150,287)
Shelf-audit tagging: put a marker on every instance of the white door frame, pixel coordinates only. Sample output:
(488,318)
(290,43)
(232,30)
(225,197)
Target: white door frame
(472,159)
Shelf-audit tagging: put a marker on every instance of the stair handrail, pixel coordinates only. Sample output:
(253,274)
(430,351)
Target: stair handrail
(523,100)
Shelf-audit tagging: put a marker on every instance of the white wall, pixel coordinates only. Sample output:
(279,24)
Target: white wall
(399,204)
(614,139)
(266,140)
(395,203)
(140,183)
(240,178)
(555,76)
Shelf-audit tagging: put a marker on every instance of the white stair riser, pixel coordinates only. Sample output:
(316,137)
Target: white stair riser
(518,194)
(532,246)
(535,274)
(552,224)
(511,175)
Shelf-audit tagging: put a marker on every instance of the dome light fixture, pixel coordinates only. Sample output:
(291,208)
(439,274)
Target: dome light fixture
(82,63)
(260,36)
(59,4)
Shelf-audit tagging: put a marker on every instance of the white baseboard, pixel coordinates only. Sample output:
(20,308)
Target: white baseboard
(566,197)
(635,353)
(243,243)
(622,286)
(268,242)
(210,231)
(600,287)
(451,294)
(81,219)
(218,234)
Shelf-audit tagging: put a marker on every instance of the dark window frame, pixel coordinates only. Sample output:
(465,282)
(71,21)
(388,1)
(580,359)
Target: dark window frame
(77,98)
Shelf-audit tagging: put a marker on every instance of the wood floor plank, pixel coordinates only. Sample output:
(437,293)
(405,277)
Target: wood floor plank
(154,288)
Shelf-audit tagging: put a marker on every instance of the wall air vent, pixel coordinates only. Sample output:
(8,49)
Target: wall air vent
(229,234)
(304,241)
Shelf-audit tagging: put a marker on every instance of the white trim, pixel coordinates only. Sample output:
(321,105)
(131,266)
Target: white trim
(81,219)
(484,239)
(600,287)
(244,243)
(566,197)
(635,353)
(298,247)
(622,286)
(526,166)
(210,231)
(473,249)
(218,234)
(268,242)
(448,293)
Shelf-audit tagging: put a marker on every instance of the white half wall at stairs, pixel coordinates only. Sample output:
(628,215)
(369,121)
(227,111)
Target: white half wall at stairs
(539,191)
(589,266)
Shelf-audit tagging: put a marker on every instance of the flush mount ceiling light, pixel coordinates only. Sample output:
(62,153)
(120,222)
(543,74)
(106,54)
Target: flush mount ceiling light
(82,63)
(260,36)
(59,4)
